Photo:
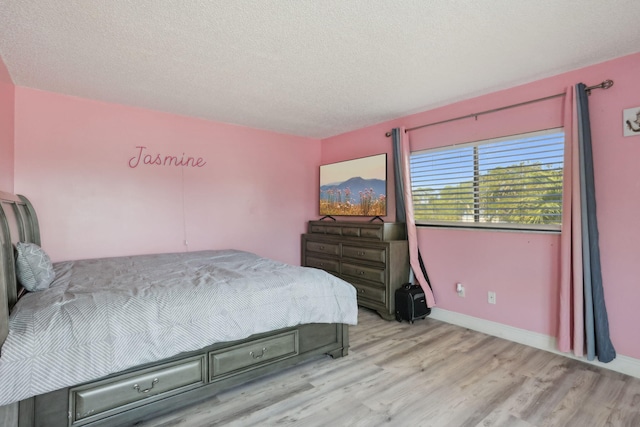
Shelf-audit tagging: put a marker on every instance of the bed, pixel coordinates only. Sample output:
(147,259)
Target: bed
(114,341)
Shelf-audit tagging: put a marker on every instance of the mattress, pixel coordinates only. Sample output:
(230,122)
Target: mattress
(106,315)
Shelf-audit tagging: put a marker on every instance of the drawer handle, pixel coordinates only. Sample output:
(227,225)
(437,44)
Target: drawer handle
(146,390)
(361,253)
(264,350)
(361,273)
(361,291)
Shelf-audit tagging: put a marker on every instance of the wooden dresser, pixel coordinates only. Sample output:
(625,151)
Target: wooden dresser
(373,257)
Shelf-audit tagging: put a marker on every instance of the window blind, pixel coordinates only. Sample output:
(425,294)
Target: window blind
(508,182)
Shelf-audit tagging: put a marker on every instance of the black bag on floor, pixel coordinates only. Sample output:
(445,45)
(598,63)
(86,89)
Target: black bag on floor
(411,303)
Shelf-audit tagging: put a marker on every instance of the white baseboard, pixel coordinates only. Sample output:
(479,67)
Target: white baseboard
(623,364)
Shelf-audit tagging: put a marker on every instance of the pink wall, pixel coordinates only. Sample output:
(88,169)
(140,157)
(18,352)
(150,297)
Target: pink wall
(7,98)
(522,268)
(71,160)
(259,188)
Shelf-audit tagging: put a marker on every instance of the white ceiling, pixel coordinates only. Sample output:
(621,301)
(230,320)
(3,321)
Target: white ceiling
(315,68)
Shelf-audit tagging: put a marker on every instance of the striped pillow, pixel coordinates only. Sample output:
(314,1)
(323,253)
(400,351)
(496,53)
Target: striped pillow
(33,267)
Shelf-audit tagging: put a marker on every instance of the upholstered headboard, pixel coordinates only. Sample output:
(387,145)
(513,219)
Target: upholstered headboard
(18,223)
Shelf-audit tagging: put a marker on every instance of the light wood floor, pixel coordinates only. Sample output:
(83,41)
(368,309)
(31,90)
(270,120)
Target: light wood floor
(426,374)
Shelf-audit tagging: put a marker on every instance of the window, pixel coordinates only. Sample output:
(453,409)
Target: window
(510,182)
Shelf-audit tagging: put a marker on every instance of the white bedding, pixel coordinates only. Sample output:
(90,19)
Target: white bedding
(104,316)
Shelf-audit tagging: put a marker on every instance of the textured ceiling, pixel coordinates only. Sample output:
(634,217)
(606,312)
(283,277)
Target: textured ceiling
(315,68)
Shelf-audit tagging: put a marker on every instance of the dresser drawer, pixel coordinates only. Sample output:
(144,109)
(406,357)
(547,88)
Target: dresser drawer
(367,254)
(370,293)
(326,229)
(323,264)
(244,357)
(351,231)
(367,231)
(367,273)
(317,229)
(99,400)
(323,248)
(371,233)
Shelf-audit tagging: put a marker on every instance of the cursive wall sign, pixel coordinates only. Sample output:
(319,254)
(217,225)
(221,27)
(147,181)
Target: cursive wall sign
(141,158)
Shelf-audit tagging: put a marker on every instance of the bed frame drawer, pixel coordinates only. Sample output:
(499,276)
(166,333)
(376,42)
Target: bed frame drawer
(98,400)
(244,357)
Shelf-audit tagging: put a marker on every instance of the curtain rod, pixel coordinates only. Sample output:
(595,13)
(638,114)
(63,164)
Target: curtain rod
(604,85)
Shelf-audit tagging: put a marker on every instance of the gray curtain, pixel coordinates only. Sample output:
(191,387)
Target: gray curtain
(397,173)
(595,310)
(401,214)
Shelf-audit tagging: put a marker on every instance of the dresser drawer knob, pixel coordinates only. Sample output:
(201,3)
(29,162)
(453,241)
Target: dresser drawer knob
(136,387)
(361,273)
(256,356)
(321,248)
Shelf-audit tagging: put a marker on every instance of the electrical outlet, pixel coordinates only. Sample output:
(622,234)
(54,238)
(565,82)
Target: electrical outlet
(460,290)
(492,297)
